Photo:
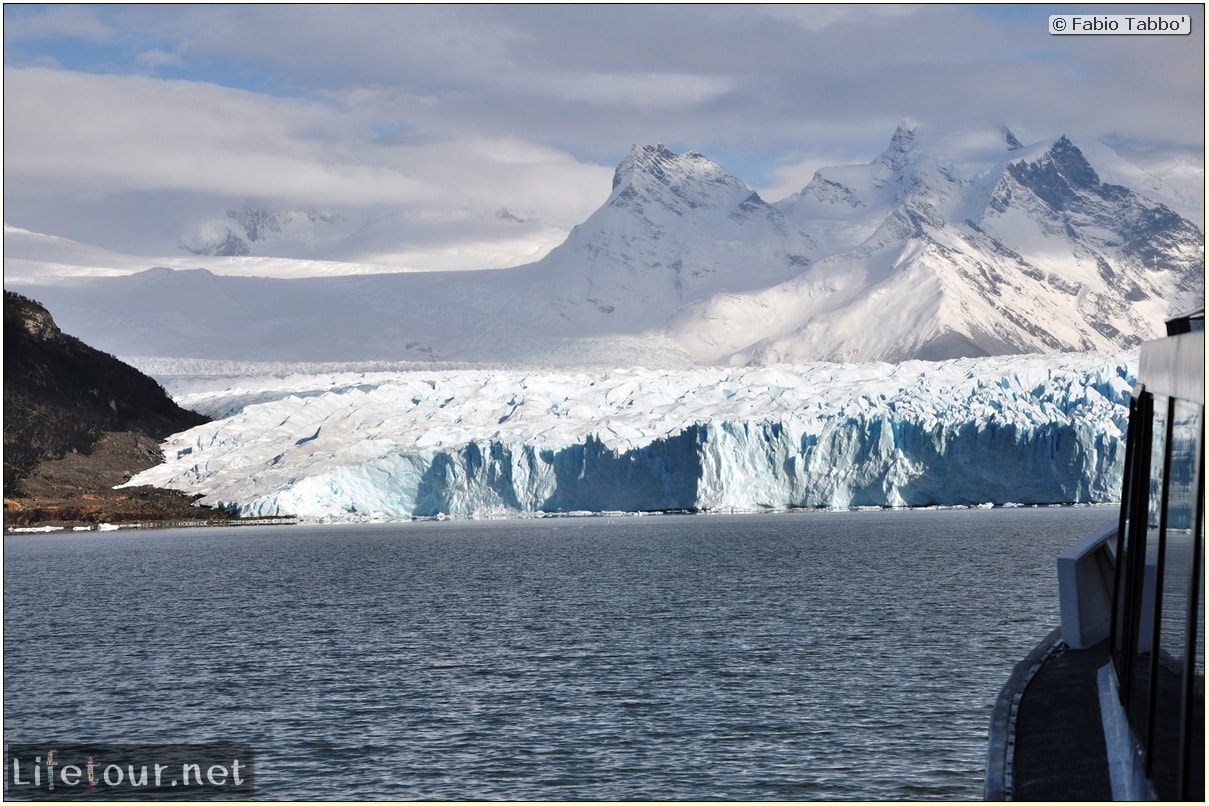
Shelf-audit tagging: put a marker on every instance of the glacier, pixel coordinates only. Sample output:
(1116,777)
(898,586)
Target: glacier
(473,443)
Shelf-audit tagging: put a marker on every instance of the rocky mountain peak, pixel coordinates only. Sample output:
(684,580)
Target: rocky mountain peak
(1059,175)
(653,178)
(248,228)
(256,222)
(655,173)
(647,159)
(1068,160)
(896,156)
(34,320)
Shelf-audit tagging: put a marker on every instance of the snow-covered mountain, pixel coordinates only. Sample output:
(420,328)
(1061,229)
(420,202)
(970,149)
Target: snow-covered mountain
(942,246)
(386,238)
(242,227)
(1002,249)
(676,229)
(350,445)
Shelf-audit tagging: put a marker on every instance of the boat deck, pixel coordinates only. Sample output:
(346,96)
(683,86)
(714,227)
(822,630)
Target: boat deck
(1047,740)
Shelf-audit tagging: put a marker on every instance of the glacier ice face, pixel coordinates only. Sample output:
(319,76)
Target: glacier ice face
(478,443)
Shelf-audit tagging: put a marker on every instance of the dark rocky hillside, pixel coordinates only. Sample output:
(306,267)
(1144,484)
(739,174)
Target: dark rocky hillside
(78,421)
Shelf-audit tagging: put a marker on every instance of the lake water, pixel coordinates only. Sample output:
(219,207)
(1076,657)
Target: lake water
(799,656)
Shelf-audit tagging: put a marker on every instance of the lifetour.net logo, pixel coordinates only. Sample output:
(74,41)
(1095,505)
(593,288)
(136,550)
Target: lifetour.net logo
(128,772)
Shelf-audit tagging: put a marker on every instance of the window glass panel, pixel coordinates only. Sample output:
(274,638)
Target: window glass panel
(1135,474)
(1179,555)
(1139,696)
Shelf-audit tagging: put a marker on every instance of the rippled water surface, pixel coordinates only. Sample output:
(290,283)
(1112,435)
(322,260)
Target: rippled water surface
(792,657)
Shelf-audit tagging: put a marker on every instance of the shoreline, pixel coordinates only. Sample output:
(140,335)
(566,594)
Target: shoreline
(78,527)
(290,520)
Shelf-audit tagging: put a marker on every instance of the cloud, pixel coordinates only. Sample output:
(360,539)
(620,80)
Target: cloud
(158,58)
(116,139)
(73,22)
(119,133)
(822,17)
(112,133)
(628,90)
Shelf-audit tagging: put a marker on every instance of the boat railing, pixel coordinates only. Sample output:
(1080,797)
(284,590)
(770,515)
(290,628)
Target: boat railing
(1086,572)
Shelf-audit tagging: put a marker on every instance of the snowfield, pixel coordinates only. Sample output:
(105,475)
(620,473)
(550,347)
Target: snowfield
(398,444)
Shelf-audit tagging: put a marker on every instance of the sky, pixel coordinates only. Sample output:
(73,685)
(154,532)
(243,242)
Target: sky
(475,136)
